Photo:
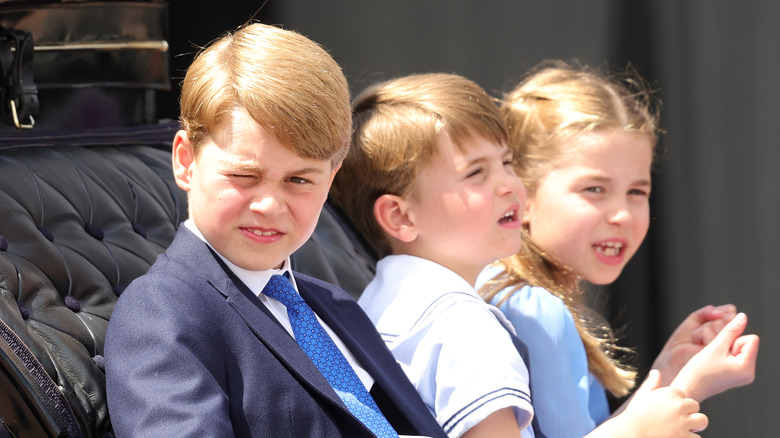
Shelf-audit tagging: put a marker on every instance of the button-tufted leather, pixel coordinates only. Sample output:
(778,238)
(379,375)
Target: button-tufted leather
(81,216)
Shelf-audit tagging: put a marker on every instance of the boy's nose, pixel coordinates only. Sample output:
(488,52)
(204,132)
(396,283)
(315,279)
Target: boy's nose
(511,183)
(267,205)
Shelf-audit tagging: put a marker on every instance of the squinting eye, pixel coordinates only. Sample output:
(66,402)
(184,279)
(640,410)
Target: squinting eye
(594,189)
(639,192)
(475,172)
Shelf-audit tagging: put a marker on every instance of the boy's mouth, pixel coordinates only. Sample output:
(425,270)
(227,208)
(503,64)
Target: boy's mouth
(509,216)
(263,233)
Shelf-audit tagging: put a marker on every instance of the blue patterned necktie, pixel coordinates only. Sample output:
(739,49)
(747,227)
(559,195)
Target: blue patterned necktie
(316,342)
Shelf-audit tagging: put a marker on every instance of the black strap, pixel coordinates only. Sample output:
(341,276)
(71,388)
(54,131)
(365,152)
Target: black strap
(19,94)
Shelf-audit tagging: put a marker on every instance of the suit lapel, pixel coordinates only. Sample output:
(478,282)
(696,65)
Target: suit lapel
(349,322)
(355,329)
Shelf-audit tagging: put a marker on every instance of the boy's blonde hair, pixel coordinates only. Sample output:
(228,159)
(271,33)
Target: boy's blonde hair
(556,102)
(395,127)
(288,84)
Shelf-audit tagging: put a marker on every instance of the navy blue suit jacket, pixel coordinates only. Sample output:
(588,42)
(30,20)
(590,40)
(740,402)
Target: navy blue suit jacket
(190,351)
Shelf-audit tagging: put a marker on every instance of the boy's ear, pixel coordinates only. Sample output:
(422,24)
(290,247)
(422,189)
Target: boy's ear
(392,214)
(183,157)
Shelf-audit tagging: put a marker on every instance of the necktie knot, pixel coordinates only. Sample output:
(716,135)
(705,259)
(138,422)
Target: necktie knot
(280,288)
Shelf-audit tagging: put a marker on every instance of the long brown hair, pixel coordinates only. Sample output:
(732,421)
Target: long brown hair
(556,102)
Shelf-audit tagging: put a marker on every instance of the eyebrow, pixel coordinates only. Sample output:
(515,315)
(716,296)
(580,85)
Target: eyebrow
(506,151)
(472,162)
(306,170)
(600,178)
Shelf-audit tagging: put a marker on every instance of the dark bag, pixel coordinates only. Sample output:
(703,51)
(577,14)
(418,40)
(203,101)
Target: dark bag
(19,94)
(96,64)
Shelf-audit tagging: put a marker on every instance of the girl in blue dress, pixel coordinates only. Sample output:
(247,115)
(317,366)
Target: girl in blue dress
(584,145)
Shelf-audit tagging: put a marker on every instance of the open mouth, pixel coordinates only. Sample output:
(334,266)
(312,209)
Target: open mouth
(509,216)
(609,249)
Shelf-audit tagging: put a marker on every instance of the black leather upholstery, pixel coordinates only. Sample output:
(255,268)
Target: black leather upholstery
(336,253)
(81,215)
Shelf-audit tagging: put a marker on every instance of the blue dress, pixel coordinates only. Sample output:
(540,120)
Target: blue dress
(568,400)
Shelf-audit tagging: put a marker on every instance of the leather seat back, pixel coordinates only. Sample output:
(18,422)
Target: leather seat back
(81,216)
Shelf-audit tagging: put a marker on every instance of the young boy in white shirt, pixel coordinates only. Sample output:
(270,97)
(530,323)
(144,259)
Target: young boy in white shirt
(431,185)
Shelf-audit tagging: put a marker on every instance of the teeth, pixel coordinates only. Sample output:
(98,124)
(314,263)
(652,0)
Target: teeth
(610,249)
(264,233)
(507,217)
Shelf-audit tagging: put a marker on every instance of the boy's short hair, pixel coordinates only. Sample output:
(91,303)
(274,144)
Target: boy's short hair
(395,127)
(287,83)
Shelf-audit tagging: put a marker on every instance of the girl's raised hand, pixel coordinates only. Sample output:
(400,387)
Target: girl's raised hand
(729,361)
(690,337)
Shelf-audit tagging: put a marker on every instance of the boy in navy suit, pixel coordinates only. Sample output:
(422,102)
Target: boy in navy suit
(212,340)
